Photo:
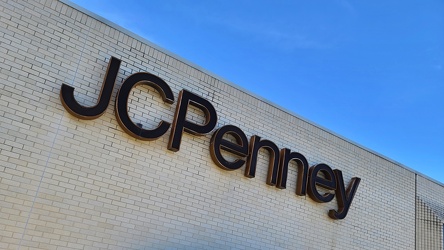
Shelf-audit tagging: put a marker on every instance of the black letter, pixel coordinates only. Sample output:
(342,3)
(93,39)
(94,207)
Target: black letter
(286,157)
(79,111)
(121,108)
(180,122)
(218,143)
(273,166)
(328,182)
(344,197)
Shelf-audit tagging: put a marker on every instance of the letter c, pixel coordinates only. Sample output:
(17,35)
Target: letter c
(121,107)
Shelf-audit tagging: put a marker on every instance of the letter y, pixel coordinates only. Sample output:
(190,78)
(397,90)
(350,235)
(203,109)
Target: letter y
(343,197)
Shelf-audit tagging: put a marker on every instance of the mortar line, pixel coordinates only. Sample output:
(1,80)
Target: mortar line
(52,146)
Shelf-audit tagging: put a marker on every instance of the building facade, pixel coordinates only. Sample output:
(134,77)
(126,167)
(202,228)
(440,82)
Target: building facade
(110,142)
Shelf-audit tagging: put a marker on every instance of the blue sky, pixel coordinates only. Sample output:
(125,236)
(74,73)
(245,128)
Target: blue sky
(371,71)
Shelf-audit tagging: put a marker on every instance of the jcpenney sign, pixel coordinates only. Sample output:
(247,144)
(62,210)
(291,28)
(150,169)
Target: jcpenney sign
(309,179)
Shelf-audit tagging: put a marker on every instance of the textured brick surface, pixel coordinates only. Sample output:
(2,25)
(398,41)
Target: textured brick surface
(67,183)
(429,215)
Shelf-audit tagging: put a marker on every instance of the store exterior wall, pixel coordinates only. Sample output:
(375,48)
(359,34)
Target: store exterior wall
(428,228)
(429,215)
(71,183)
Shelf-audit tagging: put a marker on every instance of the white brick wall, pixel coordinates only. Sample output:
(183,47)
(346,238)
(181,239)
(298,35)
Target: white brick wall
(67,183)
(429,214)
(429,227)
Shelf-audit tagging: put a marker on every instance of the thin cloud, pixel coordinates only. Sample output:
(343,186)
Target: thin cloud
(270,33)
(347,6)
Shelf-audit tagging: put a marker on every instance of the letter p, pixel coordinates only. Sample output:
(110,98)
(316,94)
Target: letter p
(181,124)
